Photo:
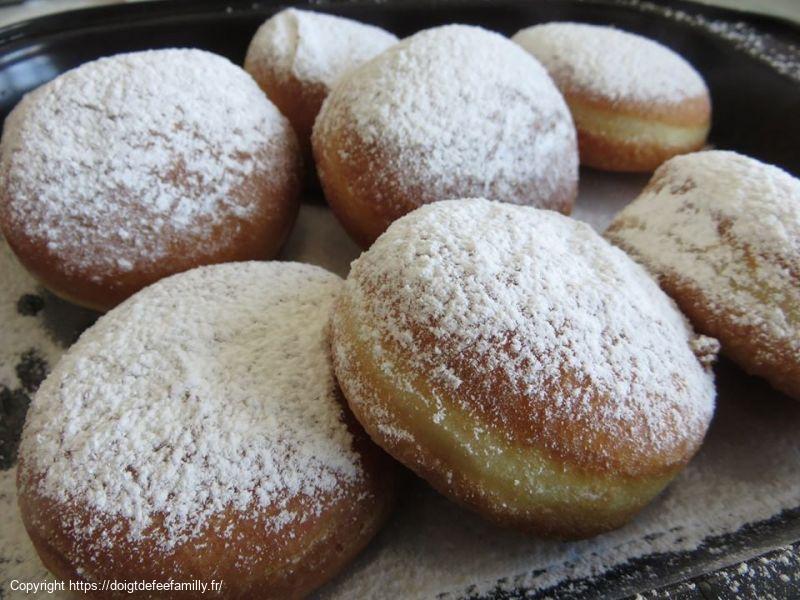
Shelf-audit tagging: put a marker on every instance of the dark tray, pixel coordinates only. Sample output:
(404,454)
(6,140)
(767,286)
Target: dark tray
(751,64)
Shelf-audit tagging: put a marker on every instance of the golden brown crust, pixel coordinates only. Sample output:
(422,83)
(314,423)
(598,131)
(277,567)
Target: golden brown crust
(253,561)
(514,480)
(299,101)
(690,112)
(634,136)
(774,360)
(384,144)
(744,343)
(348,197)
(352,195)
(274,196)
(716,230)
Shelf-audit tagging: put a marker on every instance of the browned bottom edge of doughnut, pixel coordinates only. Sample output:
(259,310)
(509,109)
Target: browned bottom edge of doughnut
(637,138)
(748,345)
(100,292)
(299,101)
(295,577)
(577,503)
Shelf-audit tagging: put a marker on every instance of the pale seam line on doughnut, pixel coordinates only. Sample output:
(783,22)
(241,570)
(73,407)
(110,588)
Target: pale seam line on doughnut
(627,128)
(511,476)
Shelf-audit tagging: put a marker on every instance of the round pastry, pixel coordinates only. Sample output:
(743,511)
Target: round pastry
(522,365)
(131,168)
(635,102)
(198,428)
(297,55)
(449,112)
(721,232)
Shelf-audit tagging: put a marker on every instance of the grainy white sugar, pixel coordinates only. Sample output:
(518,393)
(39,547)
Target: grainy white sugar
(208,391)
(611,64)
(314,47)
(533,294)
(747,470)
(728,226)
(452,111)
(127,153)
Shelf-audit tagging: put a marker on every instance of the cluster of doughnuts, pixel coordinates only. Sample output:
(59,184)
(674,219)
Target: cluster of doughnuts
(210,424)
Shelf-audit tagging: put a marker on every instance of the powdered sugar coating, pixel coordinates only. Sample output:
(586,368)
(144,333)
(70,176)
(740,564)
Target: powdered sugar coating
(210,390)
(610,64)
(453,110)
(108,164)
(492,301)
(728,226)
(314,47)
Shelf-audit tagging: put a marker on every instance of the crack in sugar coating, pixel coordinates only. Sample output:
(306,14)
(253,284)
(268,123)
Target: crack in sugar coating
(131,152)
(611,64)
(534,325)
(208,392)
(726,227)
(454,110)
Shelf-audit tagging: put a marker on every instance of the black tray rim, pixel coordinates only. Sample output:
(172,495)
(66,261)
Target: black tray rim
(79,20)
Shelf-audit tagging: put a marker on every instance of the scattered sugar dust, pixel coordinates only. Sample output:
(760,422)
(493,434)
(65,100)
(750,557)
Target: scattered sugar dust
(22,315)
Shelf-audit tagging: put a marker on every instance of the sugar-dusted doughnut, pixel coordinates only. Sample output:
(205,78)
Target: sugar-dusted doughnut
(296,56)
(451,111)
(196,432)
(522,365)
(721,231)
(635,102)
(130,168)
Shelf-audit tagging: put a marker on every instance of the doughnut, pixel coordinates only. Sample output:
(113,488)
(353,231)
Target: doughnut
(297,55)
(522,365)
(721,232)
(449,112)
(198,428)
(134,167)
(635,102)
